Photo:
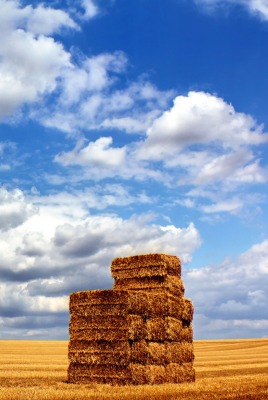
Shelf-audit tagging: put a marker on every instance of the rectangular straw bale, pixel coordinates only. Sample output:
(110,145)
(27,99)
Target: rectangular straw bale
(98,302)
(136,327)
(165,284)
(180,352)
(177,373)
(82,373)
(160,329)
(147,374)
(99,297)
(97,321)
(99,309)
(146,265)
(109,327)
(155,304)
(186,334)
(149,353)
(99,380)
(96,347)
(88,334)
(188,310)
(88,357)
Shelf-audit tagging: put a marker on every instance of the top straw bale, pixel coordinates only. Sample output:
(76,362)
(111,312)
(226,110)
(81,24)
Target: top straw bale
(147,265)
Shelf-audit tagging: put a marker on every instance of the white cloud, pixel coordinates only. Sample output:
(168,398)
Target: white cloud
(259,7)
(30,62)
(38,20)
(99,160)
(99,154)
(14,209)
(230,299)
(90,9)
(200,119)
(204,142)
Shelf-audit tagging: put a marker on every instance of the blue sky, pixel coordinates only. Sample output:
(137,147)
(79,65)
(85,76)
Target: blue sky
(128,128)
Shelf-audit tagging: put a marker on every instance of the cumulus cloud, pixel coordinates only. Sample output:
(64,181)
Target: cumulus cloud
(30,61)
(230,299)
(206,143)
(14,209)
(199,119)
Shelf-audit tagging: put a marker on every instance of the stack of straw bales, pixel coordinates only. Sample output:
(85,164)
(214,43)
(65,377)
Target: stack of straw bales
(139,332)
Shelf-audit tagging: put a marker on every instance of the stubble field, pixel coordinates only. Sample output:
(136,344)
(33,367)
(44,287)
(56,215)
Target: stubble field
(225,369)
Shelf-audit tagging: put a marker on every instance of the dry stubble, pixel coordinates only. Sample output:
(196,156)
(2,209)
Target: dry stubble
(227,369)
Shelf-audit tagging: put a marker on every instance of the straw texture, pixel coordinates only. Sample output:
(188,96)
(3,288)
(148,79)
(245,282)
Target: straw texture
(161,329)
(169,284)
(146,265)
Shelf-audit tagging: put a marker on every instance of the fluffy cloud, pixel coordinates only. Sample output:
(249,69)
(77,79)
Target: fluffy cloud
(230,299)
(14,209)
(206,143)
(200,119)
(30,61)
(259,7)
(64,248)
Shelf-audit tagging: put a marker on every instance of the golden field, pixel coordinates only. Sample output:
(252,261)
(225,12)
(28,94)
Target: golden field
(225,369)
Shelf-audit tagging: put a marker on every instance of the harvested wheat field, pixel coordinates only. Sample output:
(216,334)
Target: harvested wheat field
(225,369)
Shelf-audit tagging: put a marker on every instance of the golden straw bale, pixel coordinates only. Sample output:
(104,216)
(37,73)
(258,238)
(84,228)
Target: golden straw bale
(160,329)
(180,352)
(176,373)
(136,327)
(188,310)
(96,347)
(99,352)
(101,358)
(99,297)
(107,327)
(165,284)
(186,333)
(149,353)
(147,374)
(98,334)
(99,380)
(139,352)
(146,265)
(82,373)
(139,374)
(84,310)
(99,302)
(98,322)
(155,304)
